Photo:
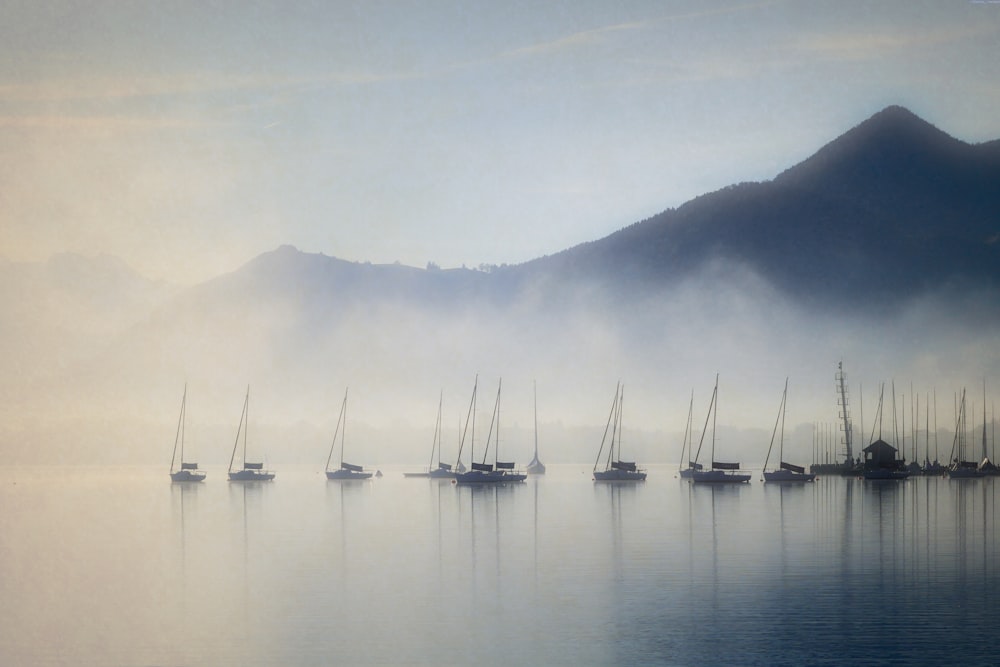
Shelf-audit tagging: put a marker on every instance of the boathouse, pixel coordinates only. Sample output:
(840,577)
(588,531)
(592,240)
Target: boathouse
(880,454)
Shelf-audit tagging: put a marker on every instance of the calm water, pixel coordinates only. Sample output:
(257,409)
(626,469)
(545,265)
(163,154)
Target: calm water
(120,567)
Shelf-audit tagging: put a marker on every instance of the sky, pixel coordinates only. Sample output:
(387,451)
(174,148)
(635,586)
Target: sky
(188,137)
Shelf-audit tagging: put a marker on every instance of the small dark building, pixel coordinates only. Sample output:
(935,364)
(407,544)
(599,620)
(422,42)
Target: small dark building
(881,455)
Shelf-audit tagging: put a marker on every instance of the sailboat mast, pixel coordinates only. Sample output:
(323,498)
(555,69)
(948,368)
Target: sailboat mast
(607,427)
(687,433)
(470,415)
(184,423)
(777,420)
(437,435)
(936,454)
(343,431)
(621,424)
(246,426)
(496,446)
(336,431)
(534,386)
(781,441)
(985,454)
(714,414)
(240,429)
(842,387)
(704,429)
(180,433)
(614,427)
(927,429)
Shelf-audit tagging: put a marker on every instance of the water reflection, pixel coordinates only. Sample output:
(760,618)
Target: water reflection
(556,571)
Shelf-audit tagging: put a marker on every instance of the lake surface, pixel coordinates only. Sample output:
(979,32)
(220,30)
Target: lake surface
(120,567)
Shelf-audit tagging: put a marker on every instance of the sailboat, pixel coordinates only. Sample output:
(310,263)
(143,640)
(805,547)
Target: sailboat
(536,467)
(498,471)
(687,473)
(250,472)
(188,472)
(786,472)
(346,471)
(616,470)
(442,470)
(961,468)
(721,472)
(986,466)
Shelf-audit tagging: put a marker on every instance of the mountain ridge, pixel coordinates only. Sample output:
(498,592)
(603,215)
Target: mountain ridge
(892,207)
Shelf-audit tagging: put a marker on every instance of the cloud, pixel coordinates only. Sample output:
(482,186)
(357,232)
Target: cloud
(873,43)
(595,36)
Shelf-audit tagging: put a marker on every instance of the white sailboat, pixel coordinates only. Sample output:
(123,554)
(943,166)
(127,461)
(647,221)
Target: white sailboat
(249,472)
(616,470)
(721,472)
(786,472)
(346,471)
(188,471)
(536,467)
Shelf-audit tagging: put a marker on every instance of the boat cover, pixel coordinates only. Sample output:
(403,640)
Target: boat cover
(253,466)
(623,465)
(444,466)
(351,467)
(720,465)
(482,467)
(695,466)
(792,468)
(505,465)
(189,466)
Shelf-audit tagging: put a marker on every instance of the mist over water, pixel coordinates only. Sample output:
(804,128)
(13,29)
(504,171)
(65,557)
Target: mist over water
(119,566)
(298,347)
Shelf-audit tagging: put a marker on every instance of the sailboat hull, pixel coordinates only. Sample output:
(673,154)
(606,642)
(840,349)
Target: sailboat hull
(788,476)
(250,476)
(187,476)
(489,477)
(964,473)
(719,477)
(346,475)
(616,475)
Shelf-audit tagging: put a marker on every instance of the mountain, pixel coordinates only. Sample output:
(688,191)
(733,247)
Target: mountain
(891,209)
(881,247)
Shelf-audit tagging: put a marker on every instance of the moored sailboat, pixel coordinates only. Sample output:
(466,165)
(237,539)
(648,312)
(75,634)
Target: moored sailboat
(441,470)
(497,472)
(536,467)
(961,467)
(251,471)
(692,464)
(786,472)
(722,472)
(188,471)
(615,469)
(346,471)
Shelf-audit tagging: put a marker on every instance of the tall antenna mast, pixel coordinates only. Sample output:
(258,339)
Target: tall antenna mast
(844,414)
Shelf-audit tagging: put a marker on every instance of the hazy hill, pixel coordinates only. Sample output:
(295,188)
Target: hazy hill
(892,208)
